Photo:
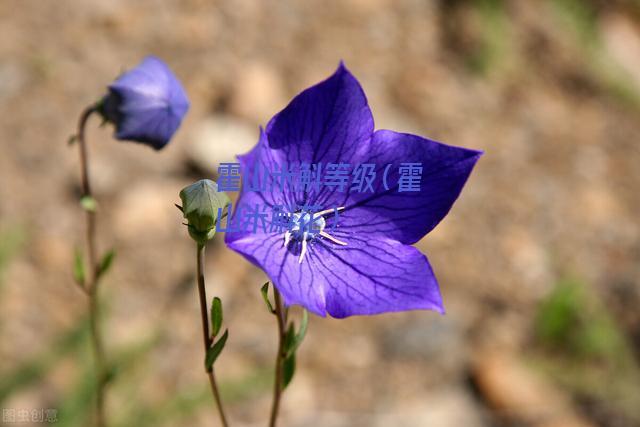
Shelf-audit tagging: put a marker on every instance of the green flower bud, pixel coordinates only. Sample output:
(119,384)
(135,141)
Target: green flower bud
(200,204)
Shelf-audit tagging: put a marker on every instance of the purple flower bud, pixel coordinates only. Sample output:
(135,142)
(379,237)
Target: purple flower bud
(146,104)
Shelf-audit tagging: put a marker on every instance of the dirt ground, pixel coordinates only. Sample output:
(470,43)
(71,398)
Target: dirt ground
(539,260)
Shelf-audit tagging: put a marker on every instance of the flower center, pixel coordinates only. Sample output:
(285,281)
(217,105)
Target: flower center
(306,226)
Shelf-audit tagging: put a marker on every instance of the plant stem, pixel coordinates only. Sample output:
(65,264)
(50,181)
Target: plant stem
(206,336)
(91,285)
(98,354)
(281,315)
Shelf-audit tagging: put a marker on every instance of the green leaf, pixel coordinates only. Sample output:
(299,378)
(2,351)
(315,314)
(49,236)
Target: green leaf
(78,268)
(293,341)
(288,369)
(302,332)
(289,339)
(216,316)
(214,351)
(106,262)
(88,203)
(72,140)
(178,206)
(265,296)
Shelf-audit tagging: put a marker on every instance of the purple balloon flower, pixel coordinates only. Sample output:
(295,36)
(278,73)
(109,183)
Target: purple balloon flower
(146,104)
(360,261)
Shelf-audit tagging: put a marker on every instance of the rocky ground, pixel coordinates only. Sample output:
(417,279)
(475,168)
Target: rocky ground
(539,261)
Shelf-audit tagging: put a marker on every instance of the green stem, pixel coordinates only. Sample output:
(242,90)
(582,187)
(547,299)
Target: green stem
(281,315)
(91,284)
(206,336)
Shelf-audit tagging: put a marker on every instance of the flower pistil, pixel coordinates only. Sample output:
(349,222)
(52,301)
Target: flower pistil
(306,226)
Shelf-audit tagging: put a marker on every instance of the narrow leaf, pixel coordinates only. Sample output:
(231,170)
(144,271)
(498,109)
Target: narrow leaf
(301,332)
(265,296)
(72,140)
(289,339)
(288,369)
(214,351)
(292,340)
(216,316)
(106,262)
(88,203)
(179,207)
(78,268)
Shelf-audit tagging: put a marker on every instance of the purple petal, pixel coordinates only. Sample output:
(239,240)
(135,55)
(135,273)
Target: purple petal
(371,276)
(327,122)
(404,216)
(263,159)
(296,281)
(366,277)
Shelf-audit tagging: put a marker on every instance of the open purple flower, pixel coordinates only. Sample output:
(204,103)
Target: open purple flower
(360,261)
(146,104)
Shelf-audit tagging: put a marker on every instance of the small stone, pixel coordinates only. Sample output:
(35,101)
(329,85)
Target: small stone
(622,41)
(147,208)
(449,407)
(12,80)
(219,139)
(53,252)
(528,258)
(518,396)
(432,338)
(258,93)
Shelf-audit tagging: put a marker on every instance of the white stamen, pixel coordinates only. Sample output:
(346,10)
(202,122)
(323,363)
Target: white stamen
(303,251)
(333,239)
(326,211)
(317,224)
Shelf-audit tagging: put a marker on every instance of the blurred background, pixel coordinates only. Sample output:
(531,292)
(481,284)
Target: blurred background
(539,260)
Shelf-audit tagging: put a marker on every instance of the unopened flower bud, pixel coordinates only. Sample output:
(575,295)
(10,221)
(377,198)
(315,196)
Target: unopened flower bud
(146,104)
(200,204)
